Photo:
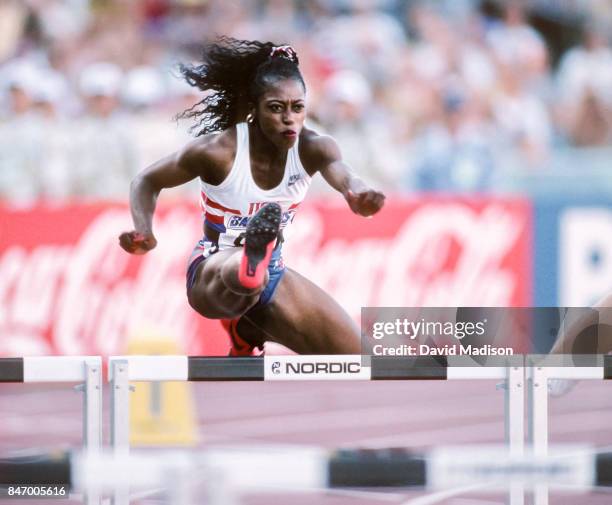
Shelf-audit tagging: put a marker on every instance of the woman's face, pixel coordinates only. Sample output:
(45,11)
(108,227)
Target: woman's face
(281,111)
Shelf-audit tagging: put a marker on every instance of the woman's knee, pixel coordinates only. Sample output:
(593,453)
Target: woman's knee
(219,304)
(212,297)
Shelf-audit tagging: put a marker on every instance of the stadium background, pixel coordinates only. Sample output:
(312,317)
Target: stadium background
(488,124)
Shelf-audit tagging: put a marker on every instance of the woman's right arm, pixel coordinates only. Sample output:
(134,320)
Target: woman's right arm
(171,171)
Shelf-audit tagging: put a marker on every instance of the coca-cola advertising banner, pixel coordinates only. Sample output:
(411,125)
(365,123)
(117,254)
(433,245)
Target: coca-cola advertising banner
(66,287)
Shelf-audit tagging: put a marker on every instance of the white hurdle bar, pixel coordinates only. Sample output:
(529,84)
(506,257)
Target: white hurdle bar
(572,468)
(86,370)
(123,369)
(541,368)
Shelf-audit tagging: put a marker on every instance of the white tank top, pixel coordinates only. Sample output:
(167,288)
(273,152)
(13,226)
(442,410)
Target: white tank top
(228,206)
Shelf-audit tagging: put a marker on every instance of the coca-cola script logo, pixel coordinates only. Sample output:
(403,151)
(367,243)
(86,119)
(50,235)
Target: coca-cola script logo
(82,294)
(89,297)
(442,254)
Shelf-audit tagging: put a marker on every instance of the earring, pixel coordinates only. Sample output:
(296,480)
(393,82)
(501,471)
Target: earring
(250,117)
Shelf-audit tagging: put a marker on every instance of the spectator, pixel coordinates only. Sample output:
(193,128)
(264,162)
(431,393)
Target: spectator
(54,141)
(454,153)
(347,113)
(367,41)
(518,45)
(20,135)
(521,117)
(585,90)
(103,157)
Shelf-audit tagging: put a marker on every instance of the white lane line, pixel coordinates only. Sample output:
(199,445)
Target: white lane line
(368,495)
(17,425)
(473,501)
(443,495)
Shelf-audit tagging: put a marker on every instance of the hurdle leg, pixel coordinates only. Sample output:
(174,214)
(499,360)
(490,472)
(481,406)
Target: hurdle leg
(92,416)
(515,423)
(221,491)
(120,420)
(538,422)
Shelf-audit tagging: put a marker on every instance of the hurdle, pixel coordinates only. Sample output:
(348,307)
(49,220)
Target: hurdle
(573,468)
(86,370)
(123,369)
(541,368)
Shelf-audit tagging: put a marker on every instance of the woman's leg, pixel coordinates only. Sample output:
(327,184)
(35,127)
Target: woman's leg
(229,282)
(216,292)
(304,318)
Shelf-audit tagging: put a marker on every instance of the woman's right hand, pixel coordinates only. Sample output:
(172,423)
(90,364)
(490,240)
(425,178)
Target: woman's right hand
(136,242)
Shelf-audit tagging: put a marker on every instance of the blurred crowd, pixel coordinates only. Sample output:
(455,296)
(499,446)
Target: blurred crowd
(438,95)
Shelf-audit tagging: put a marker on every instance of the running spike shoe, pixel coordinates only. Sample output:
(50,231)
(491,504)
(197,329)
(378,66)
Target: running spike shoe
(240,347)
(259,241)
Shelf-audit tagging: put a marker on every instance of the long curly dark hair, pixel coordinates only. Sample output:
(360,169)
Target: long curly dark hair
(233,74)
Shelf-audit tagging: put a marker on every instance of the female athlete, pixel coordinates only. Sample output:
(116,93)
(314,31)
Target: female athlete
(255,160)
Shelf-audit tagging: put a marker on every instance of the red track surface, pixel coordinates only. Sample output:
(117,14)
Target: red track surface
(335,414)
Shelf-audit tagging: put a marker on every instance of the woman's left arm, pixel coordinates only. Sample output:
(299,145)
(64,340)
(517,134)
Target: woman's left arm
(361,199)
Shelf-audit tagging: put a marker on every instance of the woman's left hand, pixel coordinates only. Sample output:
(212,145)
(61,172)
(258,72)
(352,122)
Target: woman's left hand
(366,202)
